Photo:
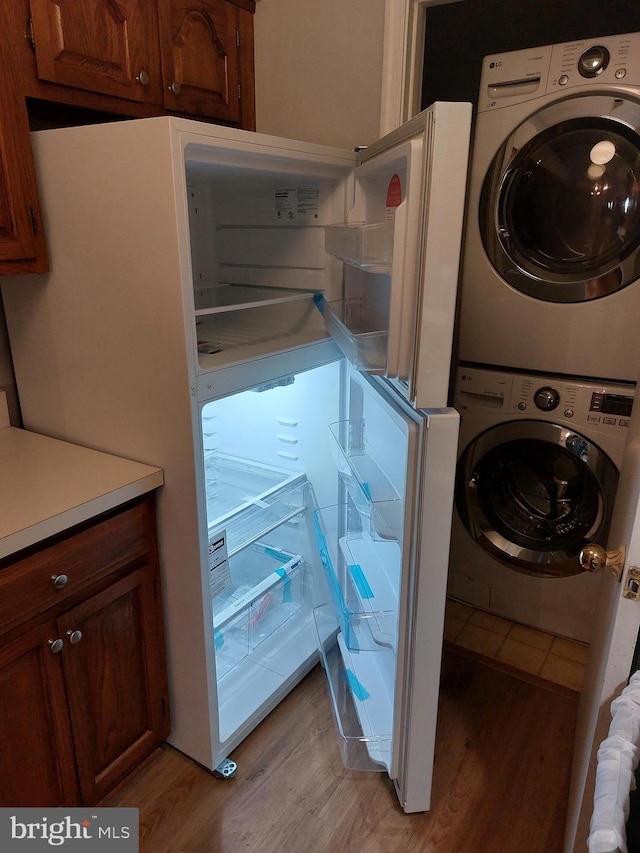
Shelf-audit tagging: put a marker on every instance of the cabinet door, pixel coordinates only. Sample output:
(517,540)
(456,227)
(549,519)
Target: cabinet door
(105,46)
(199,47)
(115,680)
(37,767)
(22,244)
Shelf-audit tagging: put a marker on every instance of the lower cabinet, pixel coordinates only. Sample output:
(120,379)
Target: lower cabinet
(83,689)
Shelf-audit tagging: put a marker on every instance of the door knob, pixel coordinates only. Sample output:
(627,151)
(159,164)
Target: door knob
(174,88)
(593,558)
(56,646)
(59,581)
(143,78)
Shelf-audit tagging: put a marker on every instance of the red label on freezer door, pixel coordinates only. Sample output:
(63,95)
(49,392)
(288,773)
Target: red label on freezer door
(394,197)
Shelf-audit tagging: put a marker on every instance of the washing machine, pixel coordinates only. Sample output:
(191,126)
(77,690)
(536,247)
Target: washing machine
(551,257)
(536,481)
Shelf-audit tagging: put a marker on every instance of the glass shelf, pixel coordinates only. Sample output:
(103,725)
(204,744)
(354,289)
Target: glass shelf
(368,247)
(369,488)
(241,297)
(248,499)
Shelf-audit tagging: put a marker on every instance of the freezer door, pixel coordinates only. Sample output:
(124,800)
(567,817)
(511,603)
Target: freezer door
(401,249)
(384,550)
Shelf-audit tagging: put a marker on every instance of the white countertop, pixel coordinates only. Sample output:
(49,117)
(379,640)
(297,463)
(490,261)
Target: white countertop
(47,486)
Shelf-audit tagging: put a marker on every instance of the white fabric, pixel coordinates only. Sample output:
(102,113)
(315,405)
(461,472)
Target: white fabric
(617,760)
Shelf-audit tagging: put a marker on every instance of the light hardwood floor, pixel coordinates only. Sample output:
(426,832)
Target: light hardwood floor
(500,781)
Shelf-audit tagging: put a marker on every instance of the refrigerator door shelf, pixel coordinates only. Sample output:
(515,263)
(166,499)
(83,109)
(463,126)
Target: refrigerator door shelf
(363,577)
(358,687)
(359,332)
(248,499)
(372,493)
(368,247)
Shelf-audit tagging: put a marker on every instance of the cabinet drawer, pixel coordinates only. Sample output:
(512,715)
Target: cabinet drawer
(29,586)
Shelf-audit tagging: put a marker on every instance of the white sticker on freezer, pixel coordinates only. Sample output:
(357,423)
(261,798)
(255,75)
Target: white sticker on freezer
(300,201)
(219,574)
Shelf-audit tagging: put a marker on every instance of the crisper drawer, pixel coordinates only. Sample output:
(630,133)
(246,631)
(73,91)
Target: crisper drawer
(247,499)
(267,588)
(52,575)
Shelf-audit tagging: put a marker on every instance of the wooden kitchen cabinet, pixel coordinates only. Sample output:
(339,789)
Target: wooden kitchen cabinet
(104,46)
(83,690)
(202,45)
(22,243)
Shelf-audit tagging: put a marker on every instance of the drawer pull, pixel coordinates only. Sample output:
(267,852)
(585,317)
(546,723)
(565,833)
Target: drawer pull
(60,581)
(56,645)
(74,636)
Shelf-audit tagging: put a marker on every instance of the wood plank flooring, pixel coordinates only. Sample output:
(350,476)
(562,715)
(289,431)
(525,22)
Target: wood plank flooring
(501,780)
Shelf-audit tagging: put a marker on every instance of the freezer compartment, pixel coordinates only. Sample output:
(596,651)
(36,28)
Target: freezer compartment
(363,577)
(368,247)
(245,498)
(370,489)
(359,690)
(360,330)
(267,588)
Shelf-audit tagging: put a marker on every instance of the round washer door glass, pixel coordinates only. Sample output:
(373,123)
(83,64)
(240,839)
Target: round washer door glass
(534,494)
(560,209)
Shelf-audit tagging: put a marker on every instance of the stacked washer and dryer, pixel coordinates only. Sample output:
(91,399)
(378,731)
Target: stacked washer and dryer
(549,343)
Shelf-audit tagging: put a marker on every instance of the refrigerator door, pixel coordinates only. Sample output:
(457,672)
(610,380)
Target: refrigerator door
(400,248)
(384,550)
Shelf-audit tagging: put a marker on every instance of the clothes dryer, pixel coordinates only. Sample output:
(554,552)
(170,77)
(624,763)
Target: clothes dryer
(552,249)
(536,481)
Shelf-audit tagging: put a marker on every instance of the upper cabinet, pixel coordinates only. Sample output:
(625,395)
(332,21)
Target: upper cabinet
(193,57)
(103,46)
(22,246)
(130,58)
(200,46)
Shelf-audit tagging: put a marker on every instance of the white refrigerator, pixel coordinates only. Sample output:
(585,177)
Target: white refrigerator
(271,322)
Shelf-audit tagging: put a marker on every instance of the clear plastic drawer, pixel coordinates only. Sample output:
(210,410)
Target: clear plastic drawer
(356,330)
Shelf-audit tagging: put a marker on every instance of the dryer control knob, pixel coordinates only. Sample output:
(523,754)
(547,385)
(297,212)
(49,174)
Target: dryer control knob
(593,61)
(546,398)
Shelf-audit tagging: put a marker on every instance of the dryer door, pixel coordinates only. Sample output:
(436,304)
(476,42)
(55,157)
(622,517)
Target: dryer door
(560,205)
(534,493)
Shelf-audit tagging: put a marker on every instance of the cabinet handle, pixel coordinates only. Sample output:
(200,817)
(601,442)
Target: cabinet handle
(174,88)
(59,581)
(55,645)
(143,78)
(74,636)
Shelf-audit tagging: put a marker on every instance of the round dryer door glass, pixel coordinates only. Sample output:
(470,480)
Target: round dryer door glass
(560,210)
(534,494)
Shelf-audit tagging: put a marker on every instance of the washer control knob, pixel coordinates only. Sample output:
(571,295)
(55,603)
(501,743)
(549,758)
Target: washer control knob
(546,398)
(593,61)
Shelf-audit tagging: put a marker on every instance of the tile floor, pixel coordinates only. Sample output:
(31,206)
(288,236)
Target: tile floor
(546,656)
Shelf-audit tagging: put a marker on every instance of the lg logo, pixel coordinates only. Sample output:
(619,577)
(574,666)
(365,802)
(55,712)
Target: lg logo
(497,64)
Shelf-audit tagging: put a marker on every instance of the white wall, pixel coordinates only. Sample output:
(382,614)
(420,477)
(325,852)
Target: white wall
(319,69)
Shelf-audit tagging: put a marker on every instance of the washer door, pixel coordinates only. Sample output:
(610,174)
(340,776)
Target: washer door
(560,204)
(534,493)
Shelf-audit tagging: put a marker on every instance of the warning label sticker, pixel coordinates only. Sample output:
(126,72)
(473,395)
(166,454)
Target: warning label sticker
(291,203)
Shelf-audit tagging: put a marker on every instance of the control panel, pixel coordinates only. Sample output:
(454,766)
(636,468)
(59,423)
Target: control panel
(604,406)
(523,75)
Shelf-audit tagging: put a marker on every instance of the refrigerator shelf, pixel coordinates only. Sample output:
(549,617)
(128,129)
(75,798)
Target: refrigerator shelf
(361,691)
(368,247)
(248,499)
(363,577)
(267,589)
(374,496)
(241,297)
(356,330)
